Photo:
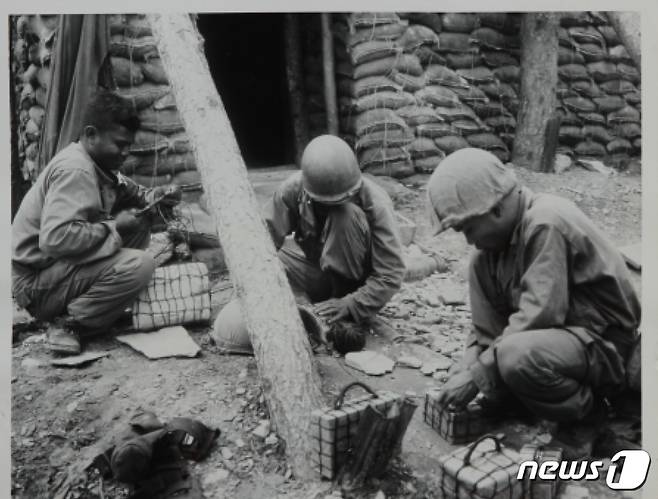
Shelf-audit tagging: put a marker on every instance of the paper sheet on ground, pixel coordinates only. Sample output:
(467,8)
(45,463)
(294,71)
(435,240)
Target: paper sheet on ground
(166,342)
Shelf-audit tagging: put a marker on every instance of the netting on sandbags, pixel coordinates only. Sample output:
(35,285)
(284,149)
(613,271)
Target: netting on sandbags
(463,71)
(176,294)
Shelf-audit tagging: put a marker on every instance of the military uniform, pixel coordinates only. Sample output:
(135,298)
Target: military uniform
(554,314)
(67,255)
(351,249)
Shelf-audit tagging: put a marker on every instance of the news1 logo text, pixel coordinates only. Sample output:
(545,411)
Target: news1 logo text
(628,470)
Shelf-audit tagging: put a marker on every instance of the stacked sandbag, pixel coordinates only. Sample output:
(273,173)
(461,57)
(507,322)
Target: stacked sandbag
(31,50)
(161,153)
(467,93)
(375,78)
(598,90)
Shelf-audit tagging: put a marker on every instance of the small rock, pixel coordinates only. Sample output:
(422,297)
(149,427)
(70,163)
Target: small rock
(271,439)
(380,495)
(437,364)
(246,465)
(226,453)
(240,391)
(409,361)
(28,397)
(239,443)
(562,163)
(30,363)
(369,362)
(214,477)
(440,375)
(72,406)
(262,430)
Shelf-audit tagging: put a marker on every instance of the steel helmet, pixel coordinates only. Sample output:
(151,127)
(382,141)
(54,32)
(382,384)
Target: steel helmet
(330,171)
(467,183)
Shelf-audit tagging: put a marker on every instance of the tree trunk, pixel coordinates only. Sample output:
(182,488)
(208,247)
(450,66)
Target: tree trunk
(329,75)
(627,26)
(295,84)
(539,50)
(288,375)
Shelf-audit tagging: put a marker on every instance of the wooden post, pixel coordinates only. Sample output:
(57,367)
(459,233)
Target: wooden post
(285,364)
(295,84)
(539,49)
(627,26)
(551,139)
(329,75)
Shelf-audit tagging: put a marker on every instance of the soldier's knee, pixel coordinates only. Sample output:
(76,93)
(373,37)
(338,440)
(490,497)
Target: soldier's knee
(138,265)
(512,358)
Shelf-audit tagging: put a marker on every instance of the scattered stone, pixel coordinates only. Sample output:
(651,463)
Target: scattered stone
(409,361)
(262,430)
(78,360)
(380,495)
(239,443)
(28,397)
(271,440)
(453,295)
(214,477)
(240,391)
(246,466)
(226,453)
(562,163)
(30,363)
(369,362)
(72,406)
(440,375)
(596,166)
(437,364)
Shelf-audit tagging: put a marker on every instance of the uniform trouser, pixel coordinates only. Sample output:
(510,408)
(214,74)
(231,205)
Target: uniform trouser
(556,373)
(94,294)
(342,264)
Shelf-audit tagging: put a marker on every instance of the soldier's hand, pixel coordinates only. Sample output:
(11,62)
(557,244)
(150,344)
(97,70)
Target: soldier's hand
(127,221)
(333,310)
(172,194)
(459,390)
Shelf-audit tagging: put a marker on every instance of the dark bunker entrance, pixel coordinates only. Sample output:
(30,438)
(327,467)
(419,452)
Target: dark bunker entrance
(246,57)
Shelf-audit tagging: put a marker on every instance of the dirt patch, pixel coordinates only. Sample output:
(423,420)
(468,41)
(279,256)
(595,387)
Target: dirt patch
(61,418)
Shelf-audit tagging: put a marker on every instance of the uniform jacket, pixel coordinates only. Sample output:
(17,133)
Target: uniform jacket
(67,213)
(559,271)
(291,210)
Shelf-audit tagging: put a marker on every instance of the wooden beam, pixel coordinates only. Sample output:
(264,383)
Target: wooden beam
(286,368)
(539,49)
(329,74)
(295,83)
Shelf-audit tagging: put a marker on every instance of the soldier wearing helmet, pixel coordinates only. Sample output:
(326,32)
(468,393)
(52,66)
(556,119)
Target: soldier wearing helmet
(554,313)
(347,255)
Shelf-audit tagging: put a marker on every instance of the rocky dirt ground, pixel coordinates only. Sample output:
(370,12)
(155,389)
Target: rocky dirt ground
(62,417)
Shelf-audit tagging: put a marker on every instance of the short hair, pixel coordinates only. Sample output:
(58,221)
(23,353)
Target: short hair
(107,109)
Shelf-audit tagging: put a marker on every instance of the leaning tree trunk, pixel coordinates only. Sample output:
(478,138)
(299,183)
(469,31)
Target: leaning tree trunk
(295,83)
(539,49)
(627,26)
(283,354)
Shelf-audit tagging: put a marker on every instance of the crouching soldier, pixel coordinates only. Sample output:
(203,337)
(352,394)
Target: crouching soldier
(553,309)
(78,242)
(347,257)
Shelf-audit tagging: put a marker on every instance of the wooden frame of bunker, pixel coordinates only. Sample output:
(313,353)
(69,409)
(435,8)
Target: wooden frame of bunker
(334,429)
(453,425)
(176,294)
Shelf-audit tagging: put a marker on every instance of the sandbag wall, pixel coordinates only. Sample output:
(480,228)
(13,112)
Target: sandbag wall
(35,36)
(599,90)
(161,152)
(414,87)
